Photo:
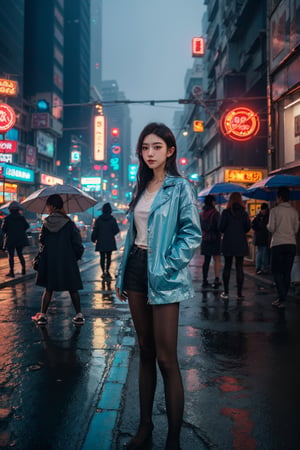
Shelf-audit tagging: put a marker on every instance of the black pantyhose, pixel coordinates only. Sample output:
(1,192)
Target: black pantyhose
(157,330)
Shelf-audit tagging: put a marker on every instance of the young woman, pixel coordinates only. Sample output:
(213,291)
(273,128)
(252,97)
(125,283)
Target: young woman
(234,224)
(104,230)
(58,267)
(164,232)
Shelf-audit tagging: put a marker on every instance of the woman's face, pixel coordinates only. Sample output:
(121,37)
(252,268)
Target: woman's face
(155,152)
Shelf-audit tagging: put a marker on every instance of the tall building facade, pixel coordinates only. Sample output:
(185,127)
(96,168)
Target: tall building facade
(15,180)
(236,75)
(118,146)
(284,84)
(78,112)
(44,78)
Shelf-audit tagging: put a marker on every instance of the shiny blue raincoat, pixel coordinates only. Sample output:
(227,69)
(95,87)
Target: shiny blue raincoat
(174,234)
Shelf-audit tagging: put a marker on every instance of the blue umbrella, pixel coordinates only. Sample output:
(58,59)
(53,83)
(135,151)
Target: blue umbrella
(222,188)
(266,189)
(275,181)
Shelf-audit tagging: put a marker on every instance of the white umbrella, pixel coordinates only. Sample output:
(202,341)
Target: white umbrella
(75,200)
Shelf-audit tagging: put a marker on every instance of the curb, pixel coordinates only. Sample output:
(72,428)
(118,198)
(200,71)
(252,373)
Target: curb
(104,420)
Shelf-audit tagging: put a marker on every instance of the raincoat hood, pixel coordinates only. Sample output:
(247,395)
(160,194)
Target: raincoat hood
(55,222)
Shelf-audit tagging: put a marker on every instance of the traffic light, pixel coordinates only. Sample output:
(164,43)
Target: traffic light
(115,132)
(98,109)
(183,161)
(42,106)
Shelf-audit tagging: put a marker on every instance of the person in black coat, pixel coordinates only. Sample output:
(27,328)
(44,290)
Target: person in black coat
(211,240)
(234,224)
(104,230)
(61,248)
(15,238)
(261,239)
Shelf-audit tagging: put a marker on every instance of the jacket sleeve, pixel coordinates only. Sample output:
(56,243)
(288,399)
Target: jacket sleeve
(271,223)
(77,242)
(247,223)
(42,235)
(94,234)
(188,236)
(116,228)
(223,222)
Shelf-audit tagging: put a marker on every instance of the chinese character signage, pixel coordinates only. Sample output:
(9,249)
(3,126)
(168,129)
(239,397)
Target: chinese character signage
(99,138)
(198,46)
(242,176)
(8,88)
(49,180)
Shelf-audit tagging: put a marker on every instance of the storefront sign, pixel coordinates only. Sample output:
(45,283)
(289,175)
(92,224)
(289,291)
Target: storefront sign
(49,180)
(17,173)
(6,157)
(45,144)
(8,146)
(7,117)
(99,138)
(8,88)
(240,124)
(242,176)
(30,155)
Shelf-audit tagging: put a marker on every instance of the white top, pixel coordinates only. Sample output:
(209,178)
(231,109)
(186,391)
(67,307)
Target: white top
(283,224)
(141,214)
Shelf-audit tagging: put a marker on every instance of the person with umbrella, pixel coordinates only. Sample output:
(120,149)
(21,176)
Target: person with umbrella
(104,230)
(14,229)
(58,269)
(284,225)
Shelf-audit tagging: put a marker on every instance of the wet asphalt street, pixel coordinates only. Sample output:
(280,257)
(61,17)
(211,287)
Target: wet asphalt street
(76,388)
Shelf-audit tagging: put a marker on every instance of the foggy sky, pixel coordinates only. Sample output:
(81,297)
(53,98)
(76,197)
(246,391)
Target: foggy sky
(146,48)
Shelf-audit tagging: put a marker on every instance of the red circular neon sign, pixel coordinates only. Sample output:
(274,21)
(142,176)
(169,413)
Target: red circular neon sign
(7,117)
(240,123)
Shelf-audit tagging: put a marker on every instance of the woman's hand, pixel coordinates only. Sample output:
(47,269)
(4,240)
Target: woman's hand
(121,295)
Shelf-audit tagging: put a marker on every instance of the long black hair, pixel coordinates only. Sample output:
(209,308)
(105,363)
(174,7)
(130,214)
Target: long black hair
(144,173)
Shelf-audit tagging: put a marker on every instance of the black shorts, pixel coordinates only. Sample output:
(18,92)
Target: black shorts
(135,276)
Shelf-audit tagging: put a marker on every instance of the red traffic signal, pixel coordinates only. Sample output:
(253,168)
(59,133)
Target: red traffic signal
(115,132)
(183,161)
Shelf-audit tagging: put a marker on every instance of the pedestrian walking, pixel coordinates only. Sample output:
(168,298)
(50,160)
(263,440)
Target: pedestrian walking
(164,232)
(61,248)
(14,228)
(261,239)
(211,241)
(284,225)
(104,231)
(234,224)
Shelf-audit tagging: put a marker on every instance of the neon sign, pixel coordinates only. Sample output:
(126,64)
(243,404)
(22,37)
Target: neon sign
(240,123)
(7,117)
(8,88)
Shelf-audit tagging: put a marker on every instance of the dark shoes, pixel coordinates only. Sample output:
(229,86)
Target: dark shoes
(10,274)
(23,271)
(106,276)
(217,283)
(278,304)
(142,438)
(205,284)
